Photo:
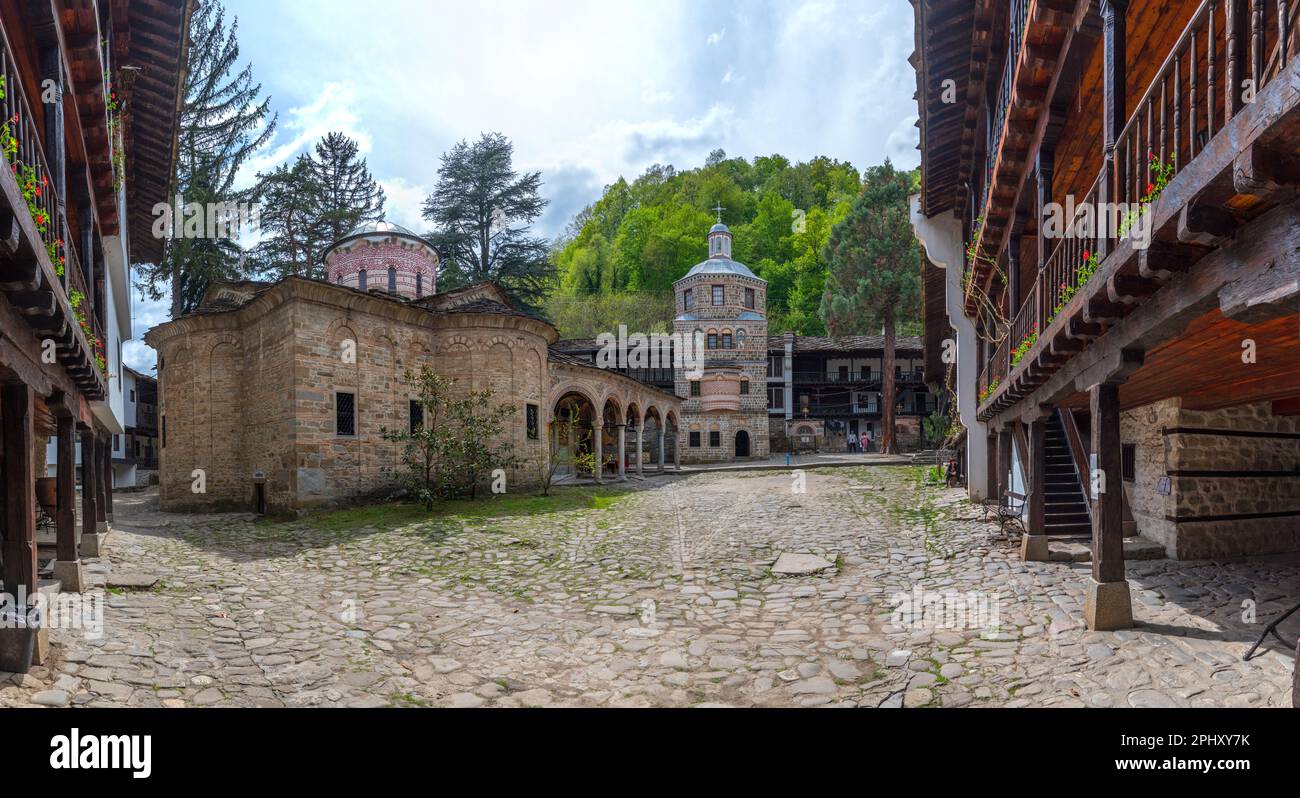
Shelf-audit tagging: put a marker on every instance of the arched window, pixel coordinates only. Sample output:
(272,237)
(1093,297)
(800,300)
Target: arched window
(419,285)
(392,280)
(361,279)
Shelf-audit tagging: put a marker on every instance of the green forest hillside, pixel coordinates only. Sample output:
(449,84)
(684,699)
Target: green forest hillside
(619,257)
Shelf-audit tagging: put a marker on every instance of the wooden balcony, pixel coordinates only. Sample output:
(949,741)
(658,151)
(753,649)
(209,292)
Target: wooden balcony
(1039,33)
(1194,162)
(40,270)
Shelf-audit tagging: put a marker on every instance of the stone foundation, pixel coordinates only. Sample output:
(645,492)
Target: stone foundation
(1233,477)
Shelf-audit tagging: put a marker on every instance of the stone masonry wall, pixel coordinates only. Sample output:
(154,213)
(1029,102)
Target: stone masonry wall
(1234,478)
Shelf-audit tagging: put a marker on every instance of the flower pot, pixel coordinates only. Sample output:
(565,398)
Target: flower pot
(47,492)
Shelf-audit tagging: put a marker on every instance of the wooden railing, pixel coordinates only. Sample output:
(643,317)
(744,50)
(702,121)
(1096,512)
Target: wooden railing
(24,155)
(1197,91)
(1017,23)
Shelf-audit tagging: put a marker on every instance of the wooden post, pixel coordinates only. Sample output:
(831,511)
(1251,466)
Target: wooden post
(89,493)
(66,518)
(1113,82)
(991,458)
(1046,165)
(1004,460)
(1033,546)
(19,492)
(1108,605)
(108,479)
(101,490)
(1234,30)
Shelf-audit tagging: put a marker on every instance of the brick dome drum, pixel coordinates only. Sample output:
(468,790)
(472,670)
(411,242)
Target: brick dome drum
(381,256)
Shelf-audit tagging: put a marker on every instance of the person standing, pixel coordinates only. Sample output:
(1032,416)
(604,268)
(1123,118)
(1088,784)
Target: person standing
(853,441)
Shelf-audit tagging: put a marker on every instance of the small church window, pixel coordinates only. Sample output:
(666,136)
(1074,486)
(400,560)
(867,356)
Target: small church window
(345,414)
(744,387)
(688,299)
(749,298)
(717,295)
(392,280)
(419,285)
(1128,462)
(417,416)
(530,421)
(361,279)
(695,439)
(715,438)
(726,340)
(695,387)
(713,340)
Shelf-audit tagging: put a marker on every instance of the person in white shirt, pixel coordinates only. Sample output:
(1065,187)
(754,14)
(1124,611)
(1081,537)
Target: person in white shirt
(853,441)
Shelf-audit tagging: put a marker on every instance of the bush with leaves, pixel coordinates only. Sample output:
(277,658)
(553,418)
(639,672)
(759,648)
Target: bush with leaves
(457,444)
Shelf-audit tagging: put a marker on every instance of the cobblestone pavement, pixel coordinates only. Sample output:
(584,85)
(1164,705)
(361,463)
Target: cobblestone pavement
(662,595)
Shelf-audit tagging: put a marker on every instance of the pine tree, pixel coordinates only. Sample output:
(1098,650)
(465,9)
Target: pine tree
(290,201)
(875,273)
(349,195)
(222,123)
(482,212)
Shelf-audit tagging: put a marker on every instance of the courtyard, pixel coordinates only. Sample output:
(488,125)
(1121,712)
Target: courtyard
(652,593)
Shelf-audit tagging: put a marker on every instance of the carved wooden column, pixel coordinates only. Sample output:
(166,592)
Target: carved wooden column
(1108,604)
(1004,460)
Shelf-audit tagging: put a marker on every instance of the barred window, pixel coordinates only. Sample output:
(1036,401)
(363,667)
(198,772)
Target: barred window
(688,299)
(749,298)
(695,439)
(361,279)
(715,438)
(417,416)
(744,387)
(345,414)
(695,387)
(717,295)
(530,421)
(392,280)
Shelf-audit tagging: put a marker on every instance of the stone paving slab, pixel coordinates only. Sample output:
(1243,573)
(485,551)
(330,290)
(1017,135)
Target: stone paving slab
(664,598)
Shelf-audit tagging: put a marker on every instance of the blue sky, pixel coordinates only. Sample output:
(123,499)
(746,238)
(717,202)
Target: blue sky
(587,91)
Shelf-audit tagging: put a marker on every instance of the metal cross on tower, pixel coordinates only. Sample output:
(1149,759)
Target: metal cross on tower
(719,209)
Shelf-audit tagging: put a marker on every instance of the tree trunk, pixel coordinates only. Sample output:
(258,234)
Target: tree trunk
(177,289)
(887,443)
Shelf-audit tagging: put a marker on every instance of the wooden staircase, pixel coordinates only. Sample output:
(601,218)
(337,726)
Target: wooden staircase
(1065,508)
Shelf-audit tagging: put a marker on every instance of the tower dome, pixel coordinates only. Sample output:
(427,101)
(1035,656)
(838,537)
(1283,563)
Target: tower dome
(382,256)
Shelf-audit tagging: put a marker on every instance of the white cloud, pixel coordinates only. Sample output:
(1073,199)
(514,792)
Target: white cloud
(727,77)
(715,38)
(403,202)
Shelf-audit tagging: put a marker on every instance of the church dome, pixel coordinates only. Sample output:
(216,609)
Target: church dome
(383,256)
(721,266)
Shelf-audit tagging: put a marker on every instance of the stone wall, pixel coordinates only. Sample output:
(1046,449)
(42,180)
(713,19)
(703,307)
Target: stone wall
(1234,478)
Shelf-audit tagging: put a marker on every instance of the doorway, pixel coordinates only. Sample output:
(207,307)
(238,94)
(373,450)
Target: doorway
(742,444)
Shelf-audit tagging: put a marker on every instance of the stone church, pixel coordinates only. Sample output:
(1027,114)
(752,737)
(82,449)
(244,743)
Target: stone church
(275,396)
